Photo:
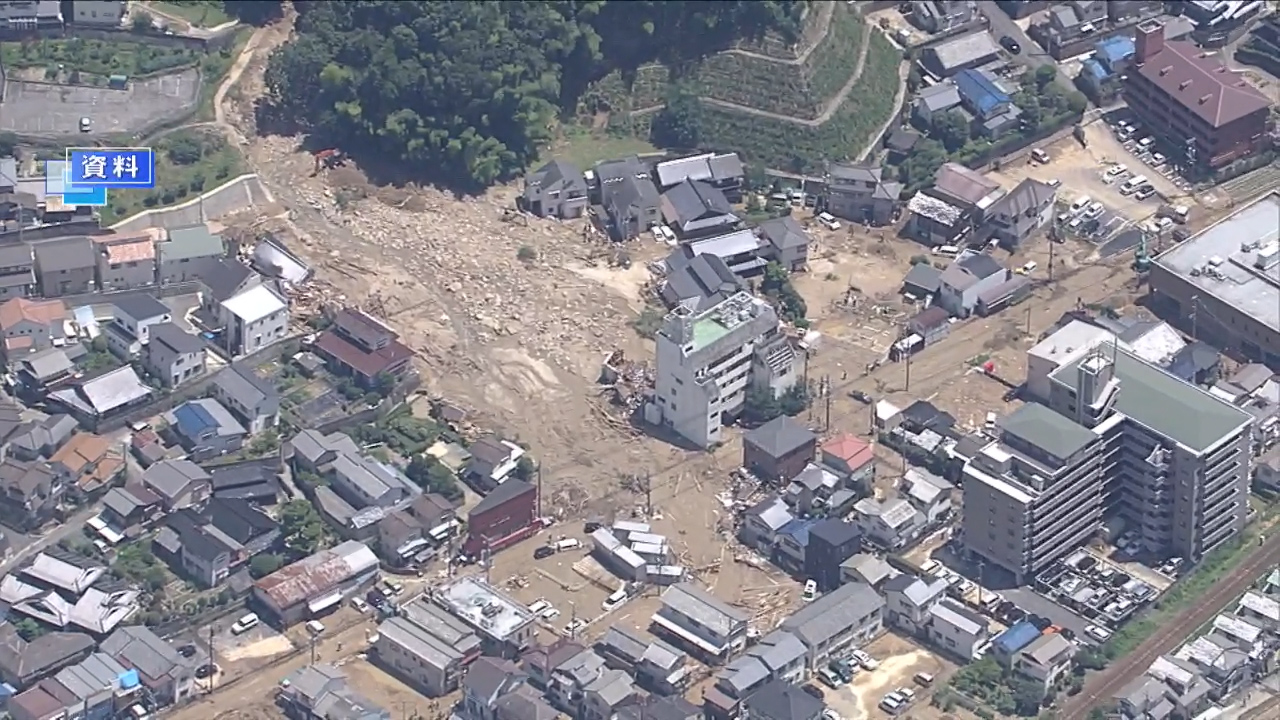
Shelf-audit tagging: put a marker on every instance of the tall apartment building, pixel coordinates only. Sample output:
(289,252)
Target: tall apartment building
(1036,494)
(1120,439)
(707,360)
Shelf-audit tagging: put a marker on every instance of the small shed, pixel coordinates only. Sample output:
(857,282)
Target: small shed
(932,324)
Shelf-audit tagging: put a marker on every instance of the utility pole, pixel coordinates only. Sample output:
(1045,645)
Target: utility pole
(1195,302)
(648,494)
(908,366)
(826,424)
(313,647)
(1028,330)
(538,470)
(1053,237)
(213,675)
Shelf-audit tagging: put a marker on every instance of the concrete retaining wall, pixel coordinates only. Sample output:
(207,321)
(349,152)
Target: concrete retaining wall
(234,195)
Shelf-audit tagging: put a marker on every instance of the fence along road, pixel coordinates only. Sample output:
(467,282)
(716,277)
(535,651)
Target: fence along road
(1104,686)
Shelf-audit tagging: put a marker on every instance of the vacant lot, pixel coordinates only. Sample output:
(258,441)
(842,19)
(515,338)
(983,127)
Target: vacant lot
(899,660)
(188,162)
(199,13)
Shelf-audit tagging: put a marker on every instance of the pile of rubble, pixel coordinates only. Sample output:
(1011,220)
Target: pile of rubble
(629,382)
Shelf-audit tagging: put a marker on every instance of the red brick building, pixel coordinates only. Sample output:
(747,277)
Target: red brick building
(1206,112)
(504,517)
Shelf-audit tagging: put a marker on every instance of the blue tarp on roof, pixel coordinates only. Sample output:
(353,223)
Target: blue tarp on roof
(194,420)
(981,91)
(1114,50)
(129,679)
(1094,70)
(1018,636)
(798,530)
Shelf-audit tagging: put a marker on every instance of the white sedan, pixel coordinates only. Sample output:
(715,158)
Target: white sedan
(1098,633)
(866,661)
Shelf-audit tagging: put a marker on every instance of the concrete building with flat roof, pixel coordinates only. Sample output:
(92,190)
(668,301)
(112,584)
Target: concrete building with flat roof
(707,360)
(1223,285)
(504,624)
(1119,438)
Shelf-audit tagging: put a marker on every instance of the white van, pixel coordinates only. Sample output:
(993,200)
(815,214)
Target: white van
(315,627)
(1029,268)
(566,544)
(245,624)
(1081,203)
(615,599)
(538,606)
(946,251)
(1133,184)
(828,221)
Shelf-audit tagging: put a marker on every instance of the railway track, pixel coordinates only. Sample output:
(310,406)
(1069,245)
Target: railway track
(1106,685)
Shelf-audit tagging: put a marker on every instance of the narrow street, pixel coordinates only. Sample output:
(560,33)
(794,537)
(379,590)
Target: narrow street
(1032,55)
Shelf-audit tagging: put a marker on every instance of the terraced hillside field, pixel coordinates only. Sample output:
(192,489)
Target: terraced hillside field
(787,113)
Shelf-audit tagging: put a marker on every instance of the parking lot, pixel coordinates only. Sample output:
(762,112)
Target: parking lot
(32,108)
(899,661)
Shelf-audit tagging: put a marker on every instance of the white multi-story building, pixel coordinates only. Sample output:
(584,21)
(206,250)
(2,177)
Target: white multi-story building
(707,360)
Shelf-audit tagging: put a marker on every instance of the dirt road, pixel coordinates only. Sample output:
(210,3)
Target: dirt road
(1101,688)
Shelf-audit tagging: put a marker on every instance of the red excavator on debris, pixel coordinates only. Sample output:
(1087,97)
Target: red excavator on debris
(330,158)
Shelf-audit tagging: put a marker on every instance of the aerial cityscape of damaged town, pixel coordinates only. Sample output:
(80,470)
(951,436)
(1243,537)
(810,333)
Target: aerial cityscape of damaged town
(936,376)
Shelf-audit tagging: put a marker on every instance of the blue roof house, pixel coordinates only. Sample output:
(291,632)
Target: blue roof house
(792,541)
(1009,643)
(1115,53)
(980,94)
(205,429)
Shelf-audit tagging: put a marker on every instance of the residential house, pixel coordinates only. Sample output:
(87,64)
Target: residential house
(485,683)
(936,16)
(88,689)
(778,450)
(925,328)
(852,458)
(31,325)
(31,492)
(364,482)
(792,544)
(540,661)
(629,201)
(849,616)
(654,707)
(364,348)
(168,675)
(22,663)
(320,692)
(426,523)
(208,545)
(17,270)
(205,429)
(525,704)
(860,194)
(432,664)
(831,542)
(965,51)
(40,438)
(255,319)
(557,189)
(1072,21)
(762,523)
(568,681)
(947,212)
(899,145)
(812,489)
(65,267)
(787,242)
(934,100)
(89,464)
(694,209)
(126,510)
(1016,217)
(928,493)
(602,697)
(890,524)
(220,280)
(174,356)
(146,447)
(10,419)
(188,254)
(492,461)
(124,263)
(780,700)
(179,483)
(99,13)
(990,105)
(46,369)
(777,656)
(922,282)
(908,601)
(130,328)
(313,451)
(253,400)
(106,395)
(970,276)
(1047,659)
(657,666)
(867,569)
(743,251)
(254,481)
(722,171)
(696,619)
(700,282)
(957,630)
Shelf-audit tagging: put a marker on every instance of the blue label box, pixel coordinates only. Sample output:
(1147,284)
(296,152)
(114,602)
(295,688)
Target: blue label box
(111,167)
(57,183)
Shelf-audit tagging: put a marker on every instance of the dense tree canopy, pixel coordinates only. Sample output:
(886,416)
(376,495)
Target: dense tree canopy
(468,90)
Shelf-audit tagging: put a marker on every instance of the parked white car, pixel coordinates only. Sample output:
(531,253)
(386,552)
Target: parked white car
(828,221)
(1146,142)
(1098,633)
(864,660)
